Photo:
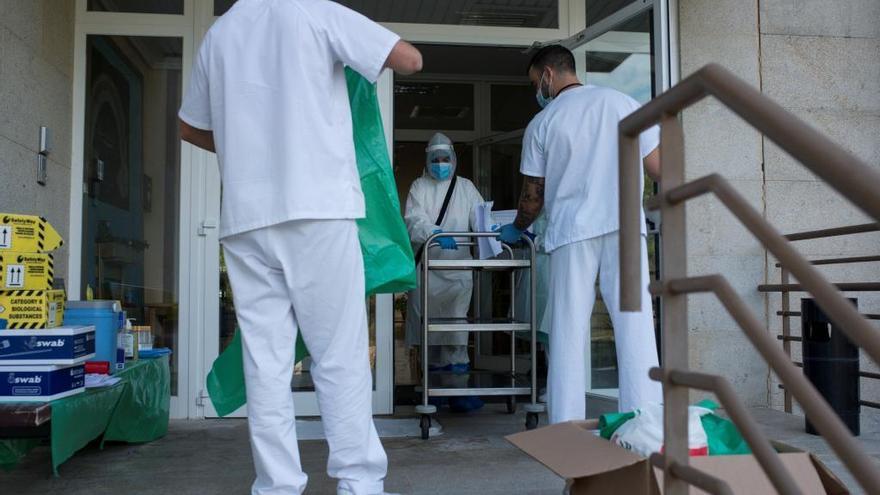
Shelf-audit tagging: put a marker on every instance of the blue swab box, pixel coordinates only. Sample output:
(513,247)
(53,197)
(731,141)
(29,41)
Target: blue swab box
(40,383)
(57,346)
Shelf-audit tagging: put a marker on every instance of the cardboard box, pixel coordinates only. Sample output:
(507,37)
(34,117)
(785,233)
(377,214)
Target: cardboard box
(27,234)
(40,383)
(26,271)
(593,466)
(58,346)
(32,309)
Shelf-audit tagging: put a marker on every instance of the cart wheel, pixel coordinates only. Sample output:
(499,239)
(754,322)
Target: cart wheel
(531,421)
(511,405)
(425,424)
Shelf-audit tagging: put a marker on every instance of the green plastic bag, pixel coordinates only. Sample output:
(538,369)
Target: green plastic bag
(724,437)
(388,256)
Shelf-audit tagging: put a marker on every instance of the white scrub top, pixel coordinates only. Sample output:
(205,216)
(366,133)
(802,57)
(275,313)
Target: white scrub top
(269,81)
(572,143)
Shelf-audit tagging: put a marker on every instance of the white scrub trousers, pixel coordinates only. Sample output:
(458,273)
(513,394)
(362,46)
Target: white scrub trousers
(574,268)
(306,276)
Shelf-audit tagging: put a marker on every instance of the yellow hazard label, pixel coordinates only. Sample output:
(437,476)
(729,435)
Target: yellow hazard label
(28,309)
(33,271)
(27,234)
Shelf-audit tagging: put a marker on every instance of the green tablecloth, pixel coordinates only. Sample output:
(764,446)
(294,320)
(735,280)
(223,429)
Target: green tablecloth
(135,410)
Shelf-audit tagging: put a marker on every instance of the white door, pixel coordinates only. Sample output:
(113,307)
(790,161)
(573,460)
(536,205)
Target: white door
(219,312)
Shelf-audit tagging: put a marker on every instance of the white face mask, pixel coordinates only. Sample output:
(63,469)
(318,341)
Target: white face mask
(543,101)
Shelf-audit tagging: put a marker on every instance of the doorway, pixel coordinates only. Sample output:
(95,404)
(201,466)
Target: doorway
(470,93)
(481,98)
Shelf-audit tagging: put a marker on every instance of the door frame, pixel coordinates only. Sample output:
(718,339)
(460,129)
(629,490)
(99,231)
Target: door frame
(665,46)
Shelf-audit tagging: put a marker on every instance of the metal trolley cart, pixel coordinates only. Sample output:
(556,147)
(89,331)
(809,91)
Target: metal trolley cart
(481,383)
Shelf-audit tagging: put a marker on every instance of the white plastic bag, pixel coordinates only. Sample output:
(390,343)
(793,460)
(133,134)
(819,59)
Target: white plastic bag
(644,433)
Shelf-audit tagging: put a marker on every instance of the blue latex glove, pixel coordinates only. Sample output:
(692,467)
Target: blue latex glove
(509,234)
(446,242)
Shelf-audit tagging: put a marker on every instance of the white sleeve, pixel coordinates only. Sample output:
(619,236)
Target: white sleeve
(419,223)
(196,107)
(533,162)
(475,200)
(356,41)
(649,140)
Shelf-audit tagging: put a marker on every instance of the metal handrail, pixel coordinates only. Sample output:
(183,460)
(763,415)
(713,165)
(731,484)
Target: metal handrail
(749,428)
(857,328)
(837,231)
(699,479)
(826,422)
(840,169)
(785,290)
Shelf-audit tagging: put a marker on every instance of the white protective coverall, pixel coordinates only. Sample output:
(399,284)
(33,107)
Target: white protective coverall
(450,291)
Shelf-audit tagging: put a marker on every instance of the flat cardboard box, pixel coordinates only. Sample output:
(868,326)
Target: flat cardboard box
(592,465)
(27,234)
(31,309)
(26,271)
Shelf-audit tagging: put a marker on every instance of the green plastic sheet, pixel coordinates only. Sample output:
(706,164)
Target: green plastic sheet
(724,437)
(143,410)
(135,410)
(385,245)
(13,450)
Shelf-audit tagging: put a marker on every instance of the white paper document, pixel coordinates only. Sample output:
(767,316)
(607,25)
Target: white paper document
(94,380)
(490,221)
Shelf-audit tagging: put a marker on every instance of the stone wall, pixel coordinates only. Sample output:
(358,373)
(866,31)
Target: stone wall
(820,60)
(36,84)
(716,140)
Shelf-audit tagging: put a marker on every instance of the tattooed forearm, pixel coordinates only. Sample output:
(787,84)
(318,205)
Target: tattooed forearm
(531,202)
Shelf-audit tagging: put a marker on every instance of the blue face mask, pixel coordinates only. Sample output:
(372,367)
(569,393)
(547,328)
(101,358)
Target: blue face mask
(441,171)
(543,101)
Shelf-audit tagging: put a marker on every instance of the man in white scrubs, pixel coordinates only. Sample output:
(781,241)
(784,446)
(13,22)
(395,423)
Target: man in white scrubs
(570,165)
(450,292)
(268,94)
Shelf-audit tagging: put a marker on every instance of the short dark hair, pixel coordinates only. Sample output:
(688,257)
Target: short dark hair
(558,57)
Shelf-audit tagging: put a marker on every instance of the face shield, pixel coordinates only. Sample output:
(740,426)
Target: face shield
(440,162)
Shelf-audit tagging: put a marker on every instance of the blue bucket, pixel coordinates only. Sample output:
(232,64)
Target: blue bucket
(104,316)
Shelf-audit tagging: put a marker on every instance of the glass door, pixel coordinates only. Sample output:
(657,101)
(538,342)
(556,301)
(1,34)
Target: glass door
(618,50)
(131,183)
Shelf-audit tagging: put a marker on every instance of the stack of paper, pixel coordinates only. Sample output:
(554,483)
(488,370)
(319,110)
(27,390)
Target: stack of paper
(94,380)
(490,221)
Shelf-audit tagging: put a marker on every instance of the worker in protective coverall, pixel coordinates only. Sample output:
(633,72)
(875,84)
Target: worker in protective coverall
(450,292)
(268,94)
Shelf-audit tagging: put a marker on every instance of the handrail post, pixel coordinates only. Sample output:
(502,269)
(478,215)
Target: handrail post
(630,218)
(674,342)
(786,330)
